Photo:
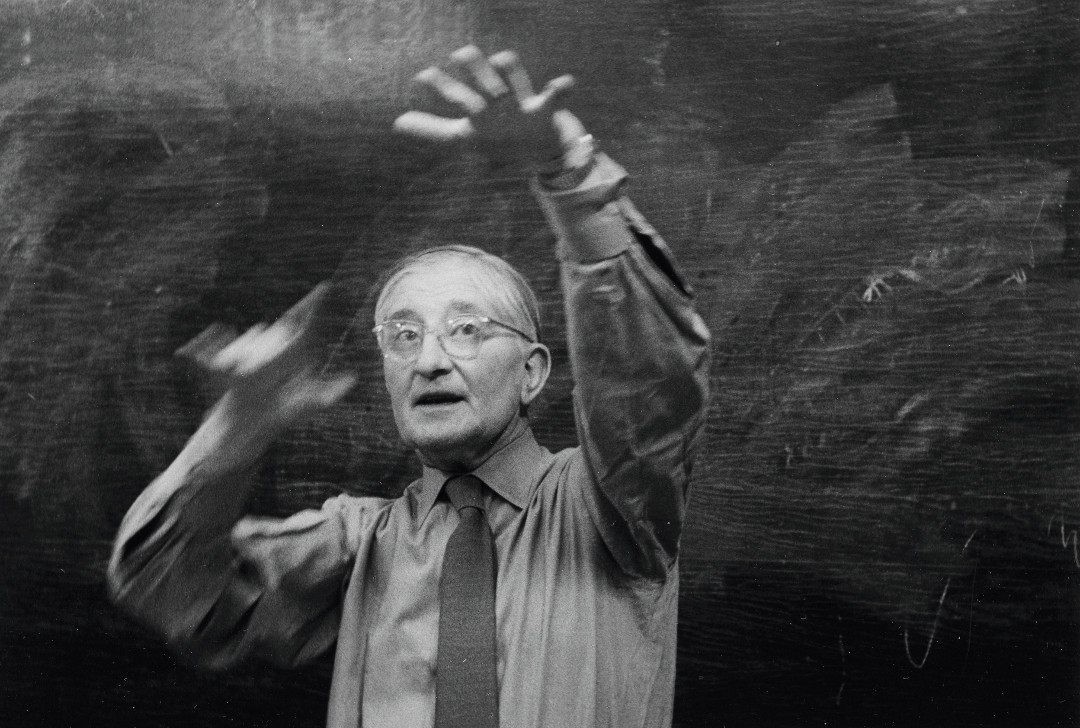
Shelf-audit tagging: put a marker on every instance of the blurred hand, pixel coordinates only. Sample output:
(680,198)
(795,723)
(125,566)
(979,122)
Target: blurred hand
(504,118)
(270,374)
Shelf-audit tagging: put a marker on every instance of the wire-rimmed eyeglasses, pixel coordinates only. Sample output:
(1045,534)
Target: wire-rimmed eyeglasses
(460,336)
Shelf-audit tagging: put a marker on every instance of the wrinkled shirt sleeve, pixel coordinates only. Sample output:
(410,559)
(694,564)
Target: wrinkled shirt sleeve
(640,358)
(221,587)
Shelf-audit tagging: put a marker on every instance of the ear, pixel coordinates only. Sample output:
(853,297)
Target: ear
(537,368)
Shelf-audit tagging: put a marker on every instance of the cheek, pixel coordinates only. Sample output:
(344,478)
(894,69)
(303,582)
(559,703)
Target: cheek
(397,382)
(498,382)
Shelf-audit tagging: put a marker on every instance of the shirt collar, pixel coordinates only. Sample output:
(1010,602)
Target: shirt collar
(513,472)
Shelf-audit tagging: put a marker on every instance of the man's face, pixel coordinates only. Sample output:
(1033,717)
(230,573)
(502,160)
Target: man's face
(456,412)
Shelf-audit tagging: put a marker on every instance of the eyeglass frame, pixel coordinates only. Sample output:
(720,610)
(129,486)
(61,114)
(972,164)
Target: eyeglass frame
(425,330)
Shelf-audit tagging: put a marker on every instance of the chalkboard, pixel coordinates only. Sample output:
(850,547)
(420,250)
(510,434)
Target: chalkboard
(875,201)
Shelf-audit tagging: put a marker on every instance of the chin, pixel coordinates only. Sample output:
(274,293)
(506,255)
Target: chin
(440,444)
(457,454)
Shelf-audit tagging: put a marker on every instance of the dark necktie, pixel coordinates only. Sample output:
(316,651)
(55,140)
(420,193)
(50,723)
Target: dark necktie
(466,685)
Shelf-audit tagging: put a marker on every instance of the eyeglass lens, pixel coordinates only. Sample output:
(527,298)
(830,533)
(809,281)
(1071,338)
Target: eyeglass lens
(460,338)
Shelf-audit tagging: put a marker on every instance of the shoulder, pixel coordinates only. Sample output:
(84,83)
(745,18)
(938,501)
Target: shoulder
(357,505)
(362,517)
(563,472)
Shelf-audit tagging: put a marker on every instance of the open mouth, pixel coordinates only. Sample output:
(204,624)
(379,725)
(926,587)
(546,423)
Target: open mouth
(437,398)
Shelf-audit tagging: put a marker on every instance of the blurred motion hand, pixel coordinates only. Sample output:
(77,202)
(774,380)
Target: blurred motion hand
(270,375)
(505,119)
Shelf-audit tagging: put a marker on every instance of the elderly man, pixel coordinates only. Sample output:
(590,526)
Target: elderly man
(508,585)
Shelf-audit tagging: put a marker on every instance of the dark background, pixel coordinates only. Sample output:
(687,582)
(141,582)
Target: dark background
(872,199)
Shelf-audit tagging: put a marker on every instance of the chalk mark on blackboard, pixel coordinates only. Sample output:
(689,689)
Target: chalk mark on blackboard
(1067,540)
(1019,277)
(933,631)
(1031,247)
(969,540)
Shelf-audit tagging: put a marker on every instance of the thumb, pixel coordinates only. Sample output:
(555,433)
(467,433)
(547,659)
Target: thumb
(568,127)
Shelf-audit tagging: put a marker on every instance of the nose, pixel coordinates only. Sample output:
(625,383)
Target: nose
(432,360)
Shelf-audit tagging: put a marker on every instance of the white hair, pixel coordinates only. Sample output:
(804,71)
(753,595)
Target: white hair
(516,293)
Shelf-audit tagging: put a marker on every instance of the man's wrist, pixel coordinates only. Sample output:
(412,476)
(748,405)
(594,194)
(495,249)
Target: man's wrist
(587,219)
(572,167)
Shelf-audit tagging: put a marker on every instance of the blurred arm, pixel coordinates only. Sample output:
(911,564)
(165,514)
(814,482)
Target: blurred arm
(220,587)
(186,562)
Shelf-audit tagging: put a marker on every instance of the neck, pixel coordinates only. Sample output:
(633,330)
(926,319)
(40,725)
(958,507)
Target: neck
(465,459)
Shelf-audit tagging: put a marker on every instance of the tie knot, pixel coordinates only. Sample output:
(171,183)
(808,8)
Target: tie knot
(466,491)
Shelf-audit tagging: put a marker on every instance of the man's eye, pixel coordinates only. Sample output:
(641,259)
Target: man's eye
(465,328)
(406,336)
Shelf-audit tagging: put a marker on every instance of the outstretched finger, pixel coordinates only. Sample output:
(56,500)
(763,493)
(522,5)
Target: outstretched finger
(452,90)
(487,79)
(237,353)
(555,89)
(423,125)
(202,349)
(509,65)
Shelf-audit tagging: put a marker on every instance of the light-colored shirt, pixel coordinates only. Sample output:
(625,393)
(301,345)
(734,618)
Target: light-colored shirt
(586,539)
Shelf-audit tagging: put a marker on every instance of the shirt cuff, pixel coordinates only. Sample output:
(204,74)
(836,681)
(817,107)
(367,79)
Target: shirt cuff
(587,219)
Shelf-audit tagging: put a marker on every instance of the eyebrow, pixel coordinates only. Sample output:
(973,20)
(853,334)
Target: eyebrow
(406,314)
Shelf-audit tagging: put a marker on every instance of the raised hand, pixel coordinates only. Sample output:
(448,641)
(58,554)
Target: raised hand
(270,374)
(504,118)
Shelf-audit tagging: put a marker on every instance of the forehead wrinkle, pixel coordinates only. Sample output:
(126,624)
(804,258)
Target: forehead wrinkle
(458,307)
(433,285)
